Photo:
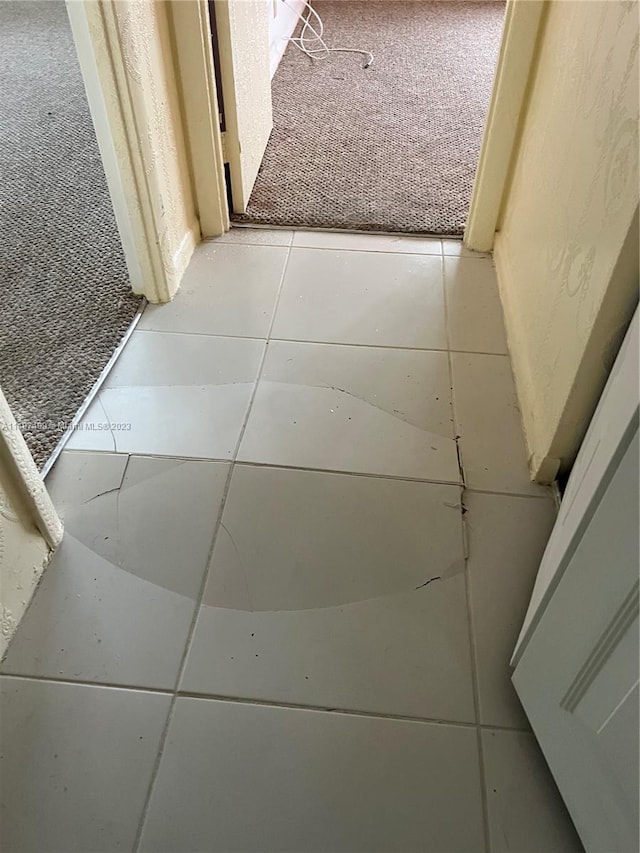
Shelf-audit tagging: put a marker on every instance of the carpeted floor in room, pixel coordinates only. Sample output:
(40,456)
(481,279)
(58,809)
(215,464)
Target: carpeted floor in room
(392,147)
(66,301)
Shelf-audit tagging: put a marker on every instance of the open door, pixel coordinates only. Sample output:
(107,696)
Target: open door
(240,35)
(577,656)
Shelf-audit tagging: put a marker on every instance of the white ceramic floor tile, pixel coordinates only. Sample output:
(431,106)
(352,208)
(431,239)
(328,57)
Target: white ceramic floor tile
(255,236)
(367,298)
(319,594)
(164,359)
(474,310)
(488,419)
(173,395)
(396,243)
(457,248)
(116,603)
(76,762)
(240,777)
(311,539)
(526,812)
(506,539)
(359,409)
(226,290)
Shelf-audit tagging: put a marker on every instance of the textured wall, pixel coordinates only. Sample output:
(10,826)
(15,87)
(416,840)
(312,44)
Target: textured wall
(23,556)
(568,278)
(29,525)
(146,49)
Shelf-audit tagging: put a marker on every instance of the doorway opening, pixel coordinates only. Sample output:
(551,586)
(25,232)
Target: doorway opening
(389,145)
(67,300)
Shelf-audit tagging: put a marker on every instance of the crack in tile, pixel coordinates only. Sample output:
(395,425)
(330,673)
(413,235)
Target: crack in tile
(394,413)
(108,421)
(241,562)
(101,495)
(456,567)
(119,556)
(427,582)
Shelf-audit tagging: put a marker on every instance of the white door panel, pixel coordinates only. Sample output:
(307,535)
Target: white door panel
(577,663)
(578,676)
(616,411)
(243,51)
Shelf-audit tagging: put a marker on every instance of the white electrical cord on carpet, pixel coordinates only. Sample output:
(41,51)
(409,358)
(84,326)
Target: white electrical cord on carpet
(317,37)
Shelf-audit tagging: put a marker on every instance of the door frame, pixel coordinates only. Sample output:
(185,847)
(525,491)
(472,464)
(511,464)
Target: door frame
(116,117)
(198,87)
(111,66)
(99,53)
(103,63)
(523,27)
(196,78)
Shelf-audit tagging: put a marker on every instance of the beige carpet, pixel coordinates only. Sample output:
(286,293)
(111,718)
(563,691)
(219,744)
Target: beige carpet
(393,147)
(66,299)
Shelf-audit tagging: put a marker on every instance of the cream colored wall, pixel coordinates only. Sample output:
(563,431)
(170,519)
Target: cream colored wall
(566,249)
(24,554)
(29,525)
(128,65)
(146,49)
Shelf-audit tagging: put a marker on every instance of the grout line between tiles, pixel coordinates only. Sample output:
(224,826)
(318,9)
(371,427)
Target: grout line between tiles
(389,251)
(347,712)
(535,495)
(326,709)
(264,355)
(467,587)
(251,464)
(261,703)
(205,578)
(336,471)
(174,691)
(183,333)
(106,685)
(476,702)
(388,347)
(450,369)
(476,698)
(312,343)
(282,466)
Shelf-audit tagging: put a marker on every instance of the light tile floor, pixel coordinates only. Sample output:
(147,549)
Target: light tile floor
(300,540)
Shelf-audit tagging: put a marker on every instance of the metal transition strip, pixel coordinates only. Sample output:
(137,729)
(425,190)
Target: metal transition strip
(264,226)
(106,370)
